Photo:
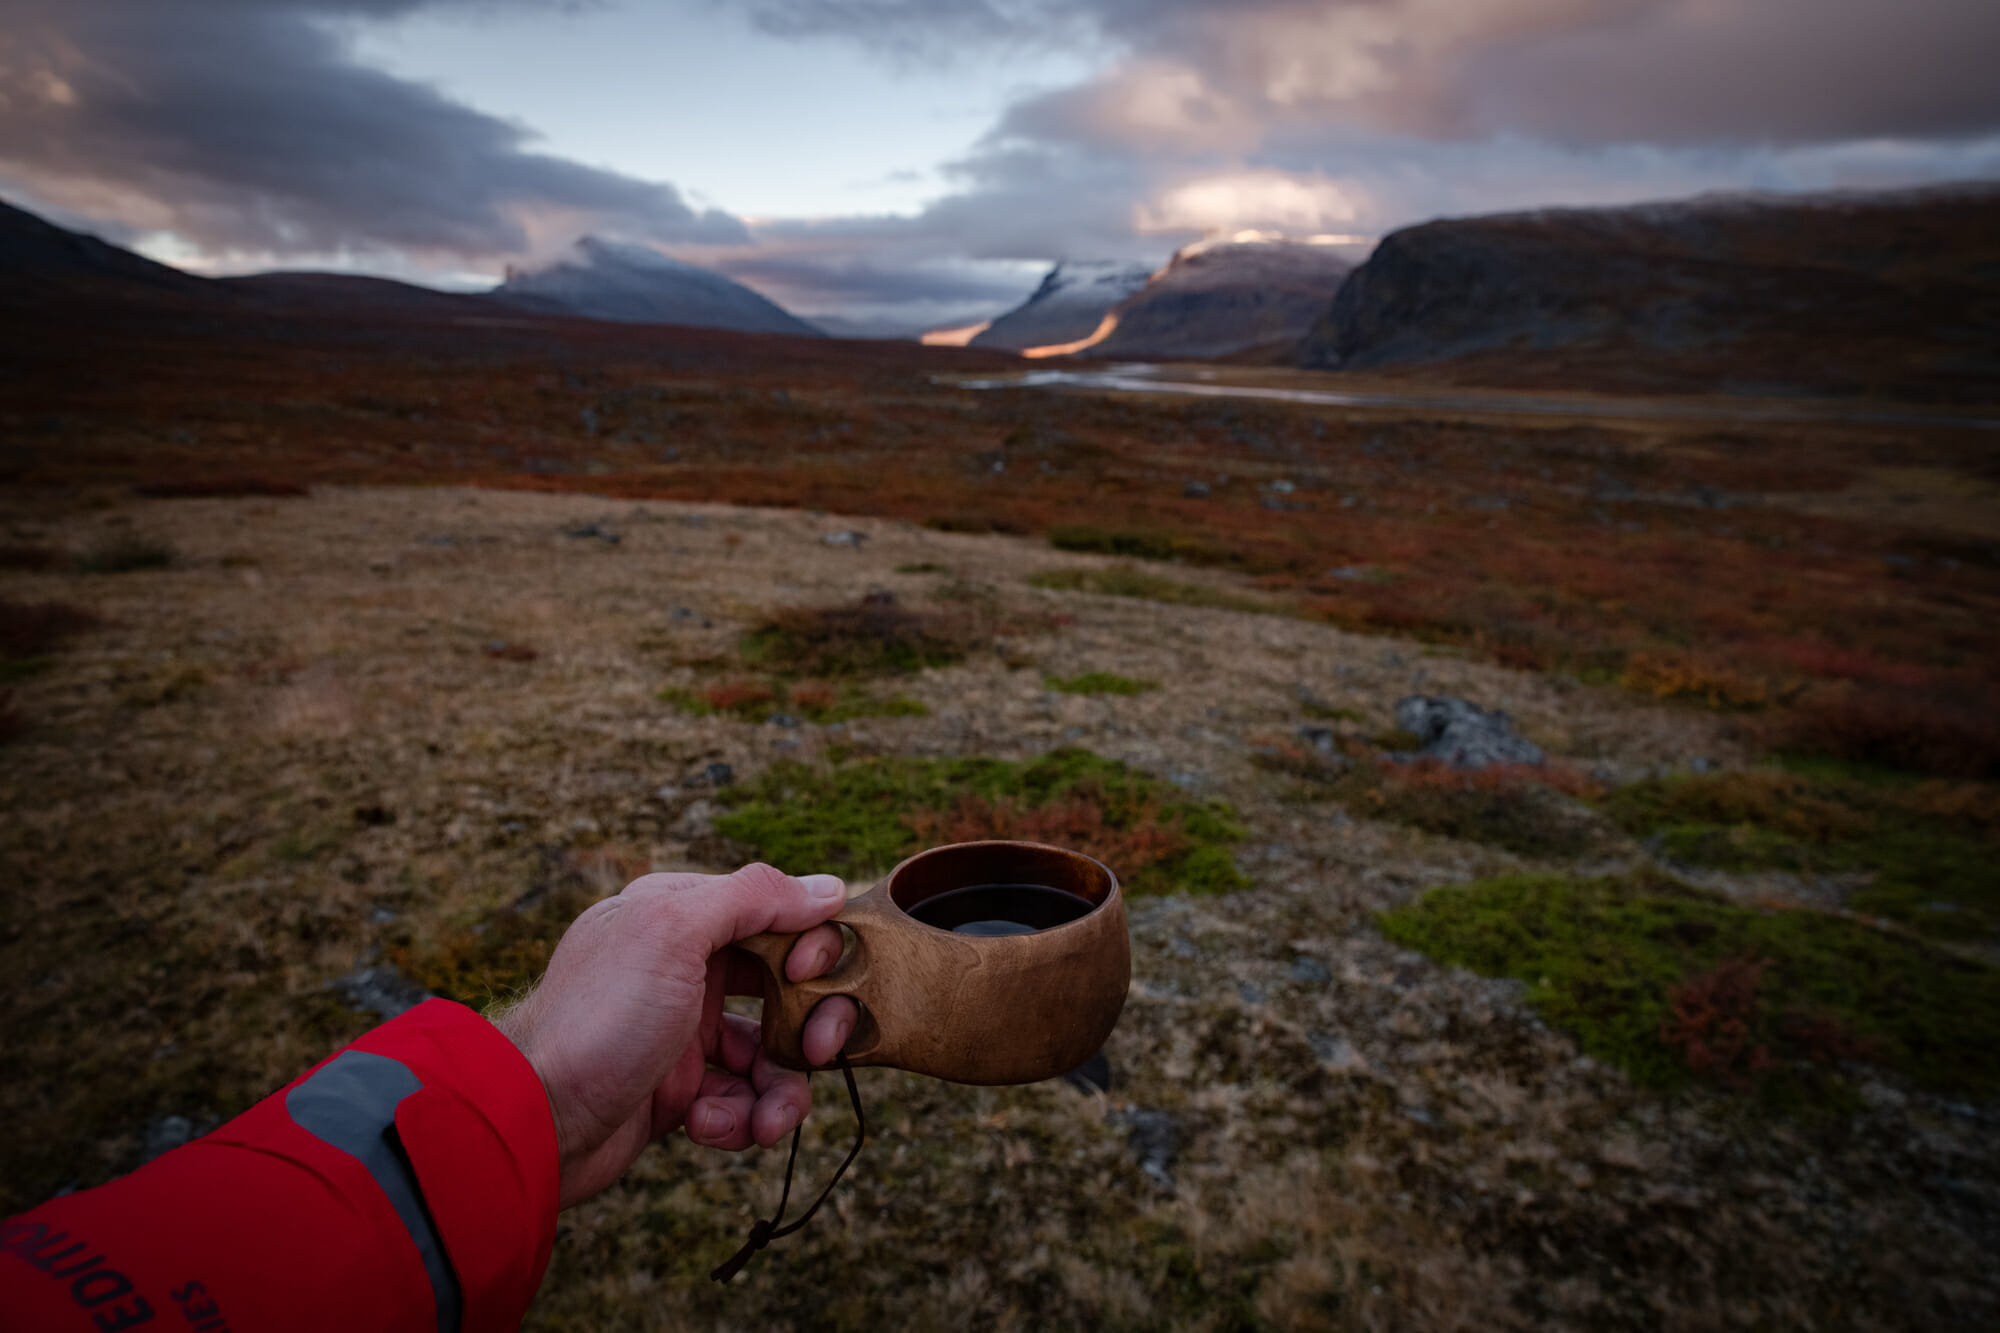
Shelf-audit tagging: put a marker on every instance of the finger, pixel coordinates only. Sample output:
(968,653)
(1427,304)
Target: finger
(721,1115)
(815,953)
(722,910)
(827,1029)
(738,1044)
(784,1099)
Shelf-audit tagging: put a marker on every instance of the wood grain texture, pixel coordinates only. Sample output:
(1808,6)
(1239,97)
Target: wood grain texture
(969,1009)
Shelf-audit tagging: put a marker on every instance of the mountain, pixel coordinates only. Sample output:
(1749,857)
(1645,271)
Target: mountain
(1889,294)
(1068,307)
(37,257)
(1217,298)
(632,284)
(354,293)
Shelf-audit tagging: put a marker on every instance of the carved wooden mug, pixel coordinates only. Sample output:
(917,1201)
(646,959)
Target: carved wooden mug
(970,1008)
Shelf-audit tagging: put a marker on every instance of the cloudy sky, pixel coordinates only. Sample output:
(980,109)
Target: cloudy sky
(921,161)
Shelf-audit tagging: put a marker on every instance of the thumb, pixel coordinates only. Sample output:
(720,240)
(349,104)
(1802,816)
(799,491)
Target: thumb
(758,898)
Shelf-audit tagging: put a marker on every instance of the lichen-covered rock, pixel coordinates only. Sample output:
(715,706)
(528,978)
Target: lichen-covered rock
(1463,734)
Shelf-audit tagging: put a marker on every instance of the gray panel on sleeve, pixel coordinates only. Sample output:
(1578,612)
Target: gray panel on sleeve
(350,1104)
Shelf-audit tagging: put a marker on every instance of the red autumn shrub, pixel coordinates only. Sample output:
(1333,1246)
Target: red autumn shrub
(1714,1019)
(737,694)
(1075,820)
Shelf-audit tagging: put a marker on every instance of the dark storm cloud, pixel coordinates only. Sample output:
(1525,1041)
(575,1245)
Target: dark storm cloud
(243,125)
(1573,71)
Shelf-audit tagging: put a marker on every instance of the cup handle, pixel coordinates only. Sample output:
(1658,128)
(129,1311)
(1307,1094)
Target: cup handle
(787,1004)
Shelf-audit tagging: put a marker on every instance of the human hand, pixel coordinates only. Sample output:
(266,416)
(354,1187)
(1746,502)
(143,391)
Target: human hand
(627,1032)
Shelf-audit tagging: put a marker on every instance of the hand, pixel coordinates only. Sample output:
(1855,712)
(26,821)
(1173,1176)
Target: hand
(627,1031)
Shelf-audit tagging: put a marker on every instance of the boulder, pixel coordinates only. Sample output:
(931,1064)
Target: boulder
(1463,734)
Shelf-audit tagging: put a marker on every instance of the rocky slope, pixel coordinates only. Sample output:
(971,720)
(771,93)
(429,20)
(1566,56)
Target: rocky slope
(1068,307)
(1220,298)
(632,284)
(1893,294)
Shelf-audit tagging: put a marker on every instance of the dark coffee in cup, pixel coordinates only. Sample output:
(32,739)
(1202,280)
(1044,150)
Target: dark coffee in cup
(1001,909)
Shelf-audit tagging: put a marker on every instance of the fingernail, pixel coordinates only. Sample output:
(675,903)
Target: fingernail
(823,886)
(717,1123)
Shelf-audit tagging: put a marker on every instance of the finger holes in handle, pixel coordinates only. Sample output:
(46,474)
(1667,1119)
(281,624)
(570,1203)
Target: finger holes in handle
(864,1036)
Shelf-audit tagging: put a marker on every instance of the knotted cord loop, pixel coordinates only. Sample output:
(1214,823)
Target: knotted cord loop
(764,1232)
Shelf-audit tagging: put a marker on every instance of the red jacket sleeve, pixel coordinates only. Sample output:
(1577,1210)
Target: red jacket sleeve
(409,1182)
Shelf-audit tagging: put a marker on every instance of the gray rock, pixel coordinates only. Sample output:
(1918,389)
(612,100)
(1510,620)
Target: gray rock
(380,990)
(1154,1138)
(847,538)
(1310,971)
(783,720)
(165,1134)
(1463,734)
(1196,490)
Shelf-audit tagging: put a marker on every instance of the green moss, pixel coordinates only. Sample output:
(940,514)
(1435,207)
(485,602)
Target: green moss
(1126,581)
(122,554)
(821,708)
(1932,849)
(860,818)
(1099,682)
(866,640)
(1328,713)
(1601,958)
(1137,545)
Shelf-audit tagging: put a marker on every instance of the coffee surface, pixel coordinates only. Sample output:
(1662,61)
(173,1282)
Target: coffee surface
(1001,909)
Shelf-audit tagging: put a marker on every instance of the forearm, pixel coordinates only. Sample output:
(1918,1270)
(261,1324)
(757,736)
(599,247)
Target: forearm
(409,1182)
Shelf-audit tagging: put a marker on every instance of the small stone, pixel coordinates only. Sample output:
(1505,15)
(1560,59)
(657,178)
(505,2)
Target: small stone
(1196,490)
(718,775)
(1154,1139)
(1183,948)
(783,720)
(697,821)
(1249,994)
(165,1134)
(845,538)
(380,990)
(1310,971)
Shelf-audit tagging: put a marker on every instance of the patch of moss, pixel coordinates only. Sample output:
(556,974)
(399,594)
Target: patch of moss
(1127,581)
(866,640)
(478,963)
(1602,958)
(1136,545)
(1099,682)
(1514,807)
(859,818)
(1932,848)
(759,701)
(123,554)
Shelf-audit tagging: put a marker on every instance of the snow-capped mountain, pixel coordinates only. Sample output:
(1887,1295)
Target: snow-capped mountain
(603,279)
(1220,297)
(1068,307)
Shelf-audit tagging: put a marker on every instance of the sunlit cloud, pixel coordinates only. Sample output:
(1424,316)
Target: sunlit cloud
(1250,200)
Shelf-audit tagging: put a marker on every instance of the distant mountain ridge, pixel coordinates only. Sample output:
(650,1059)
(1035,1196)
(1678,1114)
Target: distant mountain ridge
(1894,293)
(1068,307)
(36,253)
(1219,298)
(633,284)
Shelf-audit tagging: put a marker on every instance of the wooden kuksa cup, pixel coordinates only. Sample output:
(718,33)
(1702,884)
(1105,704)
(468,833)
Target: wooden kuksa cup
(966,1008)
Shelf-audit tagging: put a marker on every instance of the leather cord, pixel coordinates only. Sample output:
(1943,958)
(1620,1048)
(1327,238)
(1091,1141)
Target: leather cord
(763,1233)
